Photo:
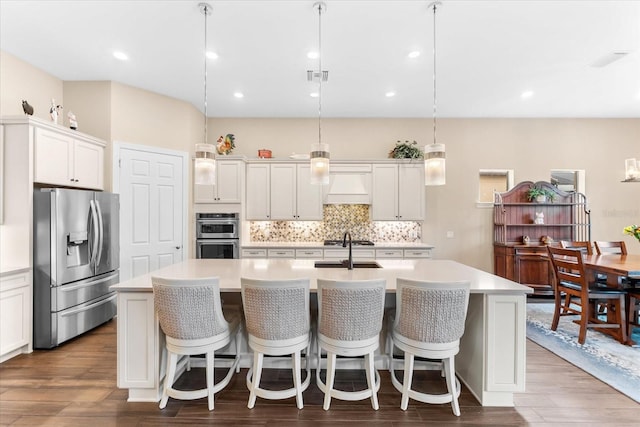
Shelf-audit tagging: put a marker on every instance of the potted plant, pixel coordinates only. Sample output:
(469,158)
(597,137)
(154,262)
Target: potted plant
(406,150)
(539,194)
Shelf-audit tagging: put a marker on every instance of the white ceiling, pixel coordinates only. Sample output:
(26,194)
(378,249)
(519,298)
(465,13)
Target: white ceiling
(488,54)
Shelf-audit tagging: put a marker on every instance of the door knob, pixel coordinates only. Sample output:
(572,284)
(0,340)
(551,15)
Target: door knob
(177,247)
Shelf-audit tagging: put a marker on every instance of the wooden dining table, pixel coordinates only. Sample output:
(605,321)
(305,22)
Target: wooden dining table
(615,266)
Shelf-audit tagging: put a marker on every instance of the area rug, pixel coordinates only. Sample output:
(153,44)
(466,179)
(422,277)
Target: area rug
(601,356)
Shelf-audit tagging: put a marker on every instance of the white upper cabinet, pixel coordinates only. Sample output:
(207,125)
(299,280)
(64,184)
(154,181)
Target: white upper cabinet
(258,204)
(282,191)
(308,196)
(398,192)
(228,187)
(68,159)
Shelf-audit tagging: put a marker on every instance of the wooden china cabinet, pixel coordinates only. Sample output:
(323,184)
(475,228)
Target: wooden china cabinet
(565,218)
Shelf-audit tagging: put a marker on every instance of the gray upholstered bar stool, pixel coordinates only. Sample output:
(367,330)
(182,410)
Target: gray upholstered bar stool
(277,322)
(190,315)
(349,324)
(428,322)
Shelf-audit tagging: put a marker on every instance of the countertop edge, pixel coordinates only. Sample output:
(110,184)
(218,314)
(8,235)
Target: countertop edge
(11,270)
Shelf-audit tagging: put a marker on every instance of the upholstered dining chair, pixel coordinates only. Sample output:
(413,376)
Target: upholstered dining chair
(610,247)
(349,324)
(569,278)
(190,315)
(277,323)
(429,322)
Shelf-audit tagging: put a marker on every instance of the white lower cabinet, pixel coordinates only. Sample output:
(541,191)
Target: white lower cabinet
(389,253)
(309,253)
(281,253)
(417,253)
(253,253)
(15,315)
(343,253)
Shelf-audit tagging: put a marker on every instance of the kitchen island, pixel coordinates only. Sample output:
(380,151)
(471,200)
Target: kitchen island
(491,362)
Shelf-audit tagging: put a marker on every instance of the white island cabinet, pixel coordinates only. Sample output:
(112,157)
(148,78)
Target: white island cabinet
(491,362)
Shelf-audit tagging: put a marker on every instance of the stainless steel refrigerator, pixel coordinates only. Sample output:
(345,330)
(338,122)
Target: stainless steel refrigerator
(76,259)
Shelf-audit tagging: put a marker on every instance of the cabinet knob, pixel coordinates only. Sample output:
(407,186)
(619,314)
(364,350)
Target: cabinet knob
(177,247)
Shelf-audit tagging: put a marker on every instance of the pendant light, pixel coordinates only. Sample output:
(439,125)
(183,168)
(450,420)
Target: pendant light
(319,157)
(434,154)
(205,165)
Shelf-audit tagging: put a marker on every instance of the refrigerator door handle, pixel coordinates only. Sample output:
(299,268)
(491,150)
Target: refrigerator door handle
(95,235)
(100,233)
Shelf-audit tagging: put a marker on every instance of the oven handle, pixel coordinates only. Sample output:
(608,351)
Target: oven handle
(223,241)
(217,221)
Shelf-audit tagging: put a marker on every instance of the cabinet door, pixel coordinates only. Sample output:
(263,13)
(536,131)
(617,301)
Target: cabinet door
(15,313)
(228,184)
(411,192)
(53,158)
(384,205)
(532,269)
(88,165)
(228,181)
(283,192)
(258,192)
(308,196)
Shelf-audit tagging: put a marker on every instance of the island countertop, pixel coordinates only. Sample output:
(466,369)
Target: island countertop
(231,270)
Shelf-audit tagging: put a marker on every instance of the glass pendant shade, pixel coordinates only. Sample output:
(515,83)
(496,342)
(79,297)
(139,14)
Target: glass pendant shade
(205,166)
(319,161)
(434,164)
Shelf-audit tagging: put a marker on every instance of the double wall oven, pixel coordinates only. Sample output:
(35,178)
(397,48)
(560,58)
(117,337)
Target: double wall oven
(217,235)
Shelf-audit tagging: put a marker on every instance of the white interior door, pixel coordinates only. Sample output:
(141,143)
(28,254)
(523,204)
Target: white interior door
(153,207)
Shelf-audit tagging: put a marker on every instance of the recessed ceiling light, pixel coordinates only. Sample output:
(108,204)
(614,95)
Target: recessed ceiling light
(313,55)
(390,94)
(313,94)
(414,54)
(211,55)
(120,55)
(526,94)
(238,94)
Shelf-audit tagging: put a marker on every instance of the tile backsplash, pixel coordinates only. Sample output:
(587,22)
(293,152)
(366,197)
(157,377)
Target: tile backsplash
(337,220)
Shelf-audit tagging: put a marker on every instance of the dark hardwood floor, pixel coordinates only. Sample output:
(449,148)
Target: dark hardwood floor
(75,385)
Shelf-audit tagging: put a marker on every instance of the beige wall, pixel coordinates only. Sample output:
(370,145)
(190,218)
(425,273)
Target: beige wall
(21,81)
(529,146)
(532,147)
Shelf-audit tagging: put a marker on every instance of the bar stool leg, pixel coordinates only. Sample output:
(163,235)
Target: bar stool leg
(331,374)
(449,366)
(172,361)
(297,379)
(406,384)
(257,373)
(210,383)
(371,380)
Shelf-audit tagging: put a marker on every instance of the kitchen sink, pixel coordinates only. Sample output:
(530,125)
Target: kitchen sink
(345,263)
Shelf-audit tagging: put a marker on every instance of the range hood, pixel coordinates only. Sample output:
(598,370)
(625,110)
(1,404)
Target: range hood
(348,189)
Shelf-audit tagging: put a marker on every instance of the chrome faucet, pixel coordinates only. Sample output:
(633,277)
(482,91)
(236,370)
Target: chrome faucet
(344,245)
